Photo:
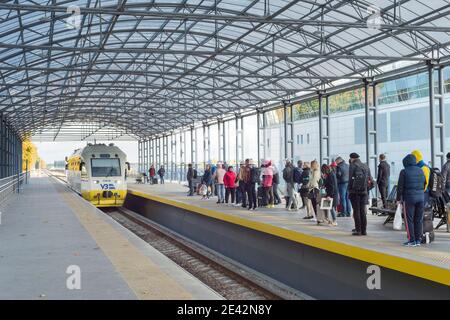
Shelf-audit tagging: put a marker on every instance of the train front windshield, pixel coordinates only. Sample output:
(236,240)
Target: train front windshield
(105,167)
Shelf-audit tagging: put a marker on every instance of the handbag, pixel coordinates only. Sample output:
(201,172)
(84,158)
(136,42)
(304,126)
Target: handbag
(313,193)
(398,218)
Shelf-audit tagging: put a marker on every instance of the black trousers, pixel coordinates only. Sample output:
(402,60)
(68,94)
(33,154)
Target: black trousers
(243,193)
(228,192)
(191,187)
(276,196)
(359,202)
(383,193)
(268,195)
(251,194)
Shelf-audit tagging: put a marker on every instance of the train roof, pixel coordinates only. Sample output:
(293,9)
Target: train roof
(97,149)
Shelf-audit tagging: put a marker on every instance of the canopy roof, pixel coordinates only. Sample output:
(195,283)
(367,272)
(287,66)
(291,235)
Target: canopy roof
(134,69)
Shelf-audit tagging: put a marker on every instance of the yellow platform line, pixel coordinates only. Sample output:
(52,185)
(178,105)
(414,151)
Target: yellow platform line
(412,267)
(143,276)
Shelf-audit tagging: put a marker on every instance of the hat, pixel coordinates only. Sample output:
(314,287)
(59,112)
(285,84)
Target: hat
(251,162)
(354,155)
(242,163)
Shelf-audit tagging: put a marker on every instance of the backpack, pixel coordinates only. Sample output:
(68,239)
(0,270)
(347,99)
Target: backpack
(194,175)
(297,175)
(436,183)
(305,178)
(255,174)
(359,180)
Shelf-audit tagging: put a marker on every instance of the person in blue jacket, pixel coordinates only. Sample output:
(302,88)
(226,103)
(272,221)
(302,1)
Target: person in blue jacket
(411,184)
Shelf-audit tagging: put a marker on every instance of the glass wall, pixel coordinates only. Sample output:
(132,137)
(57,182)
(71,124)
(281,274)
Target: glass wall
(273,137)
(250,137)
(230,142)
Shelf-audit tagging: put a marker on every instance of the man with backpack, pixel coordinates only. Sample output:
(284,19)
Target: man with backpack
(446,174)
(252,177)
(360,182)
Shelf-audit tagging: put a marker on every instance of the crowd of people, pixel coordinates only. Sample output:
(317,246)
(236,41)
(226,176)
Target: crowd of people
(325,192)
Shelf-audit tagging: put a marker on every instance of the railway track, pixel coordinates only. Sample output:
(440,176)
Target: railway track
(225,278)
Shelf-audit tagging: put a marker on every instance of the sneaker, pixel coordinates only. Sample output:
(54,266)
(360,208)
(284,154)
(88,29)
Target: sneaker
(409,244)
(418,243)
(355,233)
(334,224)
(307,218)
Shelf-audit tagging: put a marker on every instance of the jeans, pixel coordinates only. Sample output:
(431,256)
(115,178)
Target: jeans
(162,179)
(251,194)
(220,192)
(276,197)
(292,196)
(359,202)
(343,198)
(228,192)
(414,220)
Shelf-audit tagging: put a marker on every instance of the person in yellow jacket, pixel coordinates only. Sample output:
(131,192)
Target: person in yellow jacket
(426,171)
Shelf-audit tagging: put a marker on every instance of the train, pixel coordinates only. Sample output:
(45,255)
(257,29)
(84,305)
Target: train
(98,173)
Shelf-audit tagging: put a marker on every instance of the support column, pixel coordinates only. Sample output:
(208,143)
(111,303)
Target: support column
(437,119)
(324,128)
(261,138)
(140,160)
(239,140)
(371,126)
(288,132)
(194,147)
(145,155)
(206,144)
(173,157)
(165,152)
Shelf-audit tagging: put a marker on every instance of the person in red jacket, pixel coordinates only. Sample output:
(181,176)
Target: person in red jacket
(230,186)
(151,173)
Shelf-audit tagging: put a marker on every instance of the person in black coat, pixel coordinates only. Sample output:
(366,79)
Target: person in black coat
(360,182)
(331,189)
(161,173)
(411,184)
(190,179)
(342,171)
(384,172)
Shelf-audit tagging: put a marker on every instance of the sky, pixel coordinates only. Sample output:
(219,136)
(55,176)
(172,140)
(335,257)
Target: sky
(54,151)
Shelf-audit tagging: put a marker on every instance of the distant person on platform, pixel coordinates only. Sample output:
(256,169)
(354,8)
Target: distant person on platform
(446,174)
(151,173)
(410,193)
(426,171)
(161,173)
(342,170)
(384,172)
(360,182)
(190,178)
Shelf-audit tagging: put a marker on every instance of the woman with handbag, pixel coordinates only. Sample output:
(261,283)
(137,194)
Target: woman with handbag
(314,188)
(331,191)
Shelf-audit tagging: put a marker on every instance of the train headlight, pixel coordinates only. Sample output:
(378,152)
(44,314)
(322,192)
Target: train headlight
(117,181)
(96,181)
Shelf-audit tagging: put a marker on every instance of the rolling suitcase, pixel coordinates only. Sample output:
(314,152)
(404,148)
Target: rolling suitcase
(428,229)
(155,180)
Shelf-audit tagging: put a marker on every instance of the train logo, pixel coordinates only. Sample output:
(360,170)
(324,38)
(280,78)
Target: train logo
(107,186)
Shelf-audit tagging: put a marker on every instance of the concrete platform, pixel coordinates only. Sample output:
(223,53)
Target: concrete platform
(48,228)
(382,246)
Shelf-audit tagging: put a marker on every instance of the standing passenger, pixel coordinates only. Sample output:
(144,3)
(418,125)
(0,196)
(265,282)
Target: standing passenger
(304,190)
(331,189)
(314,188)
(151,173)
(288,176)
(410,187)
(446,174)
(426,171)
(229,182)
(207,180)
(161,173)
(190,179)
(219,175)
(383,178)
(267,183)
(342,180)
(358,189)
(275,183)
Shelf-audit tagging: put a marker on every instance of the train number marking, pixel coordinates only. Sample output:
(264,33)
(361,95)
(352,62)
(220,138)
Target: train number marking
(107,186)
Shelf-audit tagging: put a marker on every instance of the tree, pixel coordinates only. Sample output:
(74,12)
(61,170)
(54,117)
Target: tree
(29,155)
